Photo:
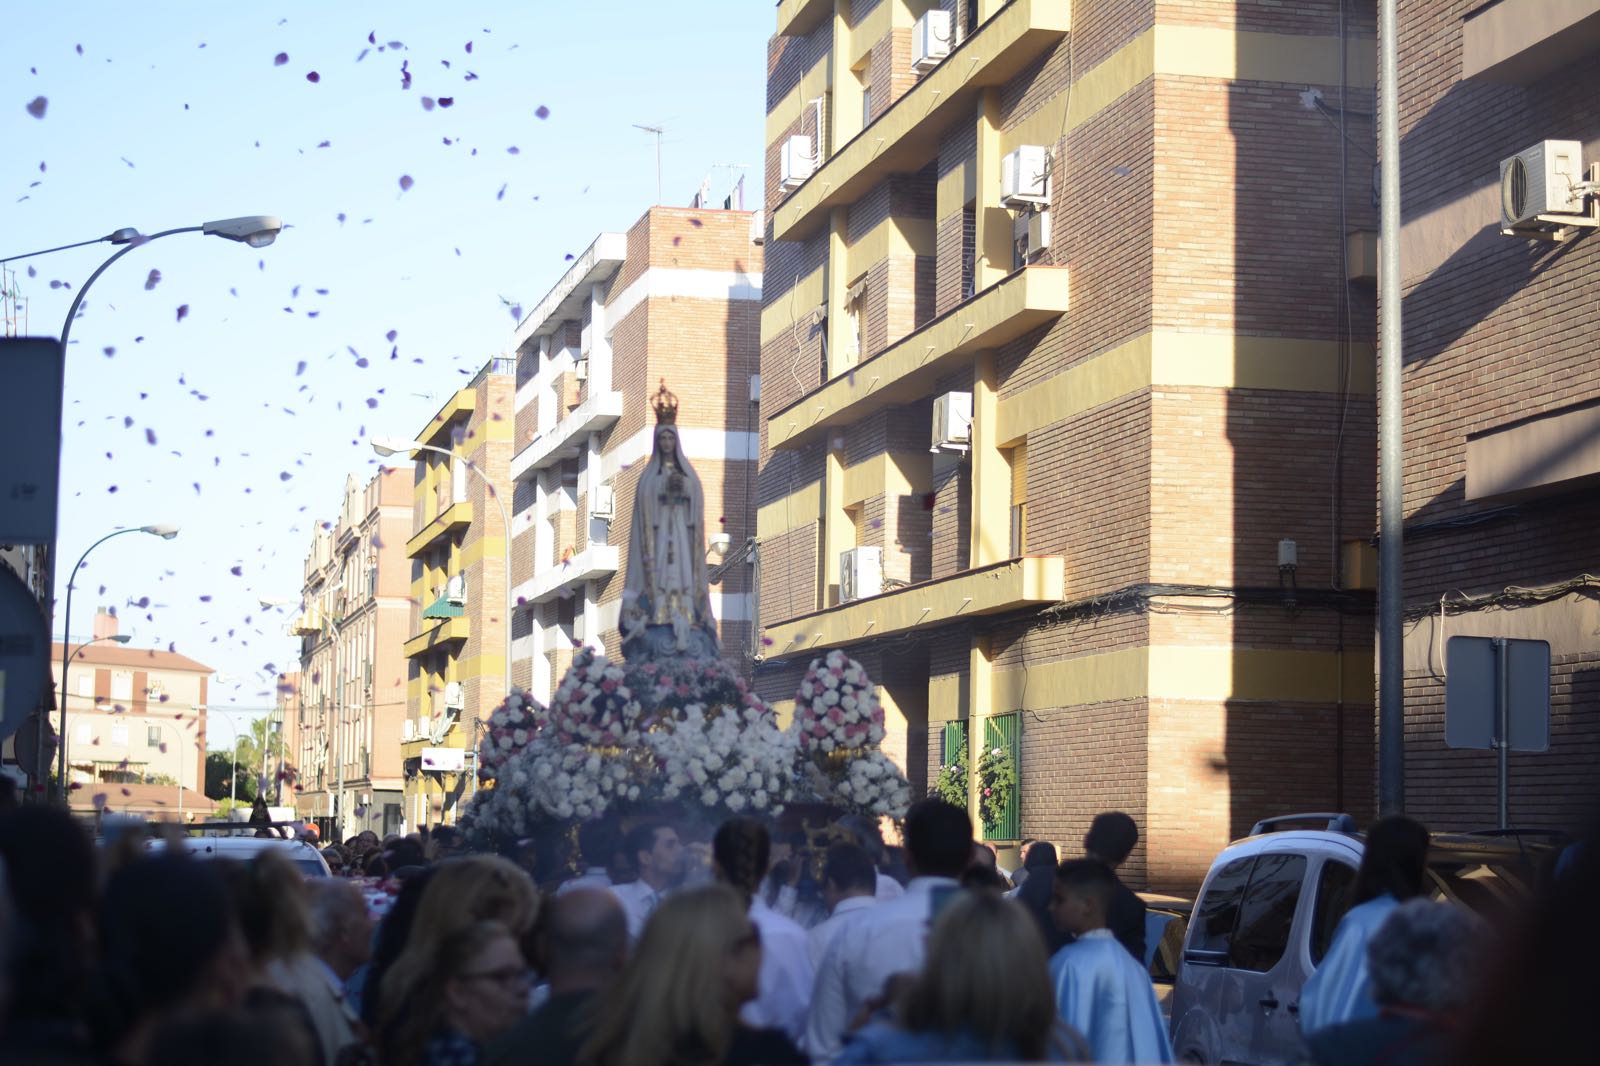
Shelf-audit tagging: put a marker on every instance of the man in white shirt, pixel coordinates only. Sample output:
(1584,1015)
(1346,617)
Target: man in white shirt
(741,852)
(848,886)
(597,847)
(657,854)
(890,938)
(865,833)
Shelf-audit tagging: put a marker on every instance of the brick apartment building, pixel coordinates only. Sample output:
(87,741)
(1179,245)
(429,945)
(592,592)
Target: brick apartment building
(1501,392)
(455,647)
(1068,324)
(350,697)
(676,297)
(136,727)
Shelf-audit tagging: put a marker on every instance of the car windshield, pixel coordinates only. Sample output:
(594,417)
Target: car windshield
(1492,890)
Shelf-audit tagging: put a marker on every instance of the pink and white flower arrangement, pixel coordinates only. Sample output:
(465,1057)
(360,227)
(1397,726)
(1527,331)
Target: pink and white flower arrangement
(837,708)
(667,686)
(511,727)
(594,706)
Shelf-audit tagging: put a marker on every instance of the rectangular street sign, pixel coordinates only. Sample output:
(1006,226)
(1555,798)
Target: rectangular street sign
(30,439)
(1474,688)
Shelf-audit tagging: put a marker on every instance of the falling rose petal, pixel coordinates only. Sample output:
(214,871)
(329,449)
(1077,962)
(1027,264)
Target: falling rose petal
(469,48)
(391,335)
(405,75)
(236,571)
(541,112)
(406,182)
(79,48)
(300,368)
(126,421)
(280,59)
(152,280)
(324,144)
(110,352)
(98,799)
(501,195)
(372,38)
(427,103)
(513,150)
(150,436)
(447,101)
(313,77)
(284,475)
(183,312)
(37,105)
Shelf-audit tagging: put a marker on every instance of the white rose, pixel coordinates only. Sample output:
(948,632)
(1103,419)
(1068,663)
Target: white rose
(708,798)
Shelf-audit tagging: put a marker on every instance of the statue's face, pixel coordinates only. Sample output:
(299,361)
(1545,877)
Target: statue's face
(666,440)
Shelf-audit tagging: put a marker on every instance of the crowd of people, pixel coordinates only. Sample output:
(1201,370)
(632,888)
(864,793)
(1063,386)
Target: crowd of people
(658,951)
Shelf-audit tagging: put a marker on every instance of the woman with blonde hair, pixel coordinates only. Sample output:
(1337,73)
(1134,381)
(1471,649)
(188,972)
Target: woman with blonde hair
(460,893)
(474,989)
(677,1002)
(983,995)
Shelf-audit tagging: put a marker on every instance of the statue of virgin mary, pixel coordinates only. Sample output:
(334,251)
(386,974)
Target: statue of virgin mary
(666,603)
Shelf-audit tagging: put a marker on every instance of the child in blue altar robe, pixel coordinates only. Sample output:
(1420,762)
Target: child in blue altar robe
(1100,990)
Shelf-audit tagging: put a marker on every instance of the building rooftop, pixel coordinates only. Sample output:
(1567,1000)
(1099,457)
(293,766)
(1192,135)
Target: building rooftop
(138,658)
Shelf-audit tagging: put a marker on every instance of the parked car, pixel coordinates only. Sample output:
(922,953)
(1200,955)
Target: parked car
(1166,921)
(1267,912)
(307,859)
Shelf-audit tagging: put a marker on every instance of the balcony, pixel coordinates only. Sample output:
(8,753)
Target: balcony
(594,562)
(600,411)
(456,516)
(796,18)
(1515,42)
(906,136)
(464,402)
(1007,586)
(448,631)
(911,368)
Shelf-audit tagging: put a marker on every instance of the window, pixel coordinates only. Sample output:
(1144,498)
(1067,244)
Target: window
(119,735)
(1336,885)
(1004,731)
(1019,499)
(156,691)
(854,339)
(122,684)
(1218,911)
(152,736)
(866,104)
(84,733)
(1267,912)
(86,685)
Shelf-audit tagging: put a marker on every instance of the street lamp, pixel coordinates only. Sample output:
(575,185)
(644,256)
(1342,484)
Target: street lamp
(387,446)
(165,531)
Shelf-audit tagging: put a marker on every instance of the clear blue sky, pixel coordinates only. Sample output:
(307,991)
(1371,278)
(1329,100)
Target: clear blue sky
(175,113)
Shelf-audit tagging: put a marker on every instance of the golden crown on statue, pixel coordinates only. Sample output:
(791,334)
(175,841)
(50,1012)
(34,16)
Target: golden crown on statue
(666,405)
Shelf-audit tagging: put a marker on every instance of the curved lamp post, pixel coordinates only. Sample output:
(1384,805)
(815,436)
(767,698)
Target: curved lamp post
(387,446)
(163,530)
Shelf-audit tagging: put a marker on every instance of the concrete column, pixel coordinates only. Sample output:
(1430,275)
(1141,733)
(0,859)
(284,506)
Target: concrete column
(599,342)
(838,532)
(980,688)
(843,112)
(840,358)
(991,472)
(993,243)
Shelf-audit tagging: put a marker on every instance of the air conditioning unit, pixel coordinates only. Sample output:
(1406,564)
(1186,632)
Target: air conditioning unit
(454,698)
(408,731)
(455,590)
(860,573)
(1542,180)
(602,502)
(580,370)
(758,226)
(952,422)
(931,40)
(796,161)
(1025,176)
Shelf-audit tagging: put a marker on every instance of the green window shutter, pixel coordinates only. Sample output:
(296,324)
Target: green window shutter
(1002,731)
(954,734)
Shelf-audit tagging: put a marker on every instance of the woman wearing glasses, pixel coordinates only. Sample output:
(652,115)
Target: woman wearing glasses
(476,992)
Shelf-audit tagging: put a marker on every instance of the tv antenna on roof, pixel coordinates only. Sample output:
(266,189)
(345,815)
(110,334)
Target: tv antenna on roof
(658,131)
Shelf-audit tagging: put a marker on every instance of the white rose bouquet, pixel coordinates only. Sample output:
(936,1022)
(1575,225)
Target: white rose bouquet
(872,784)
(511,727)
(726,759)
(837,708)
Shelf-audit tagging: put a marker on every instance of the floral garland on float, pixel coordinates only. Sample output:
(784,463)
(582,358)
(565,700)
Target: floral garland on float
(512,725)
(839,723)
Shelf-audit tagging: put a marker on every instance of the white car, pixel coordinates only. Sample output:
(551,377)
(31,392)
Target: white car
(307,859)
(1266,916)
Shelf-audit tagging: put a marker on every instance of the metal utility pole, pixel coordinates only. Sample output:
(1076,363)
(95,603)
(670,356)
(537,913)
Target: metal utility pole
(1391,503)
(658,131)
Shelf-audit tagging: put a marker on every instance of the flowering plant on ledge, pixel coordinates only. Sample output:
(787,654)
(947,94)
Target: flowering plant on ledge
(951,784)
(997,783)
(837,708)
(594,705)
(512,725)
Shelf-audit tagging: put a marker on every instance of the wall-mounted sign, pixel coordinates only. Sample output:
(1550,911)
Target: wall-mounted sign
(445,760)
